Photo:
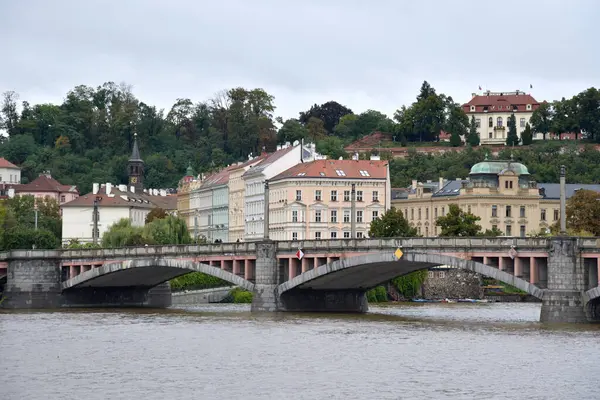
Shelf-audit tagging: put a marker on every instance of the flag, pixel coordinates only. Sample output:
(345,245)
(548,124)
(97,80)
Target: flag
(530,86)
(479,87)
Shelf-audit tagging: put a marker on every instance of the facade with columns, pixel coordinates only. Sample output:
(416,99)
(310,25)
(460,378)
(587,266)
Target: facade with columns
(501,193)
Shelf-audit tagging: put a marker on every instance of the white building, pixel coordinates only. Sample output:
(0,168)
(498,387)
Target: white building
(9,172)
(273,164)
(493,109)
(114,203)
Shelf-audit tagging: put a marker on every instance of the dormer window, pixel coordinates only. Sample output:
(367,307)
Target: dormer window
(528,107)
(472,108)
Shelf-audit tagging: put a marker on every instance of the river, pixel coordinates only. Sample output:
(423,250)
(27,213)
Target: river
(409,351)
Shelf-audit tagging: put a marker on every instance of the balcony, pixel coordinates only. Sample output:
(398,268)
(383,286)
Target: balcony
(499,128)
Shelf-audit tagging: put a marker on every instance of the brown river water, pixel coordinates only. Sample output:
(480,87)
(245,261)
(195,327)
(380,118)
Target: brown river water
(406,351)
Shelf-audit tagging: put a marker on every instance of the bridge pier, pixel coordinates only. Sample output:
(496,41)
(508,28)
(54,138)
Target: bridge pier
(33,280)
(564,299)
(337,301)
(265,298)
(100,297)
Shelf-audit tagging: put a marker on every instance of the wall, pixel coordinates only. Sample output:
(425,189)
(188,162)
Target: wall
(205,296)
(10,175)
(452,284)
(220,211)
(498,136)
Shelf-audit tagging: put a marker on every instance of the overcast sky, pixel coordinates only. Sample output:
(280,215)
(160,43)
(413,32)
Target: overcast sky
(363,54)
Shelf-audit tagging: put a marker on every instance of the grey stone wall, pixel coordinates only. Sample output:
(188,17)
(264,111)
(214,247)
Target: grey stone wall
(342,301)
(265,298)
(563,300)
(452,284)
(189,298)
(33,283)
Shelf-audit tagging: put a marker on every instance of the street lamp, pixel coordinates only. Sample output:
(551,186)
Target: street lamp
(35,210)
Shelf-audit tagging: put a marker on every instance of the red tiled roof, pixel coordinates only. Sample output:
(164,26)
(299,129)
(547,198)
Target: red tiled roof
(218,178)
(350,169)
(4,163)
(45,183)
(124,199)
(504,103)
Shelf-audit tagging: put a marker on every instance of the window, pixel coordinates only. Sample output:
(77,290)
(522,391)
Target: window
(522,212)
(435,213)
(334,216)
(334,195)
(339,172)
(508,211)
(412,213)
(419,213)
(494,227)
(494,211)
(508,185)
(359,235)
(375,196)
(427,213)
(364,173)
(375,215)
(426,231)
(359,195)
(430,274)
(469,209)
(543,214)
(295,216)
(317,235)
(63,198)
(346,216)
(346,195)
(491,122)
(499,122)
(294,235)
(443,211)
(334,235)
(528,107)
(522,123)
(508,230)
(318,216)
(359,217)
(522,231)
(490,135)
(298,195)
(405,213)
(478,122)
(317,195)
(556,215)
(472,109)
(346,235)
(442,274)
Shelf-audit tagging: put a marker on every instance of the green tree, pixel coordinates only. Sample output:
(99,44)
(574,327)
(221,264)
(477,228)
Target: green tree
(527,136)
(492,232)
(391,224)
(330,113)
(588,112)
(473,136)
(123,234)
(316,129)
(512,138)
(156,213)
(541,119)
(457,123)
(458,223)
(583,212)
(291,130)
(168,230)
(332,146)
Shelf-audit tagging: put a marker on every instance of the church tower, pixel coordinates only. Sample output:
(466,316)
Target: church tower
(135,167)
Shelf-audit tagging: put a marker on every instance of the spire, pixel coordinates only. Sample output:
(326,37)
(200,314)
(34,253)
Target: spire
(135,152)
(189,171)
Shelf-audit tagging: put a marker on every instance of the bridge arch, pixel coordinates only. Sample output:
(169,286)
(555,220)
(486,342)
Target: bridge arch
(367,271)
(148,272)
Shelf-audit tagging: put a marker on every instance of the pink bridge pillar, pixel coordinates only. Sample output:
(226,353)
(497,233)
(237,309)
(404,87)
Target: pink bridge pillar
(518,267)
(501,265)
(533,270)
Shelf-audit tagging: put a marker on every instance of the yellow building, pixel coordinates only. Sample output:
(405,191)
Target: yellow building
(501,193)
(312,200)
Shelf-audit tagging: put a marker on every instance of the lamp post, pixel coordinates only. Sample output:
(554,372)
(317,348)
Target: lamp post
(563,201)
(35,210)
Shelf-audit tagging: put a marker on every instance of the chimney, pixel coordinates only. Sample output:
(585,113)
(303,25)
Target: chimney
(123,188)
(11,193)
(441,183)
(95,188)
(163,192)
(278,147)
(132,189)
(473,94)
(302,150)
(375,157)
(108,188)
(414,184)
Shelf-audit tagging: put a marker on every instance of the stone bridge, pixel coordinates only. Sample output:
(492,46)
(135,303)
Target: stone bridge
(333,275)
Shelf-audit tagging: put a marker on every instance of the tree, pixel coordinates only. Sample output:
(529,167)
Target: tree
(330,113)
(566,119)
(291,130)
(457,123)
(156,213)
(527,136)
(391,224)
(512,138)
(541,119)
(9,116)
(583,212)
(494,232)
(458,223)
(473,136)
(316,130)
(332,146)
(588,111)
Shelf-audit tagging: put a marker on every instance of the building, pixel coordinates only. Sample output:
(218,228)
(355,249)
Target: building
(493,109)
(237,191)
(46,186)
(312,200)
(183,197)
(9,172)
(112,203)
(501,193)
(254,179)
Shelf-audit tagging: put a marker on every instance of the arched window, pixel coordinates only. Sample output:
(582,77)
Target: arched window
(499,121)
(491,122)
